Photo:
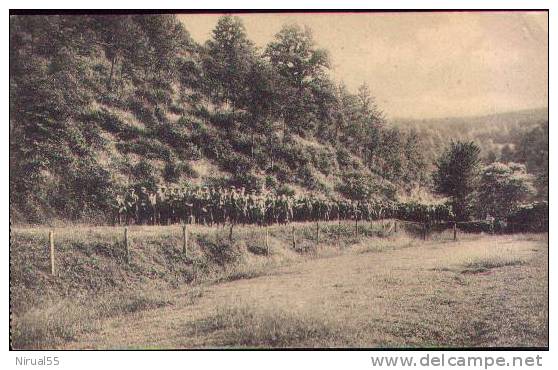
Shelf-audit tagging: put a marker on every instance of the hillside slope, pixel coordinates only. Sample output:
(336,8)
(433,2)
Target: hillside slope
(100,104)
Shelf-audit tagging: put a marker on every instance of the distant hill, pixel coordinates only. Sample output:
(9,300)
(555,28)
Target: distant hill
(491,132)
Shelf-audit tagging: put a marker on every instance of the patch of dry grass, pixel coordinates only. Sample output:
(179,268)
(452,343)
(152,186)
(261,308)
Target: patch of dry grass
(63,320)
(250,326)
(485,255)
(382,245)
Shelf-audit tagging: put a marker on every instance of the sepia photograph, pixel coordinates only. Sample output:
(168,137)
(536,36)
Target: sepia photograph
(278,179)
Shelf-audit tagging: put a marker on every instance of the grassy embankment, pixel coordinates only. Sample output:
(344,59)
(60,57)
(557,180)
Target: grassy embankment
(94,282)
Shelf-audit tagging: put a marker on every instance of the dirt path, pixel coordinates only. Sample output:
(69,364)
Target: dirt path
(417,296)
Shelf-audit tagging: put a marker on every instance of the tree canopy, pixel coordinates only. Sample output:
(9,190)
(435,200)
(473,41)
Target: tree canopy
(457,175)
(503,187)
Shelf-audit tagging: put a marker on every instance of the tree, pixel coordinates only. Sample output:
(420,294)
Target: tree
(532,149)
(415,172)
(507,154)
(491,157)
(502,188)
(295,56)
(299,65)
(457,175)
(230,57)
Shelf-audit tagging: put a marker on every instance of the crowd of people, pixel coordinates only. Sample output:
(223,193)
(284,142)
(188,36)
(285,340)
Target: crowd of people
(209,206)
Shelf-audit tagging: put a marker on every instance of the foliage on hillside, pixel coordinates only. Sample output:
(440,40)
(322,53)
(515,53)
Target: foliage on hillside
(102,103)
(520,137)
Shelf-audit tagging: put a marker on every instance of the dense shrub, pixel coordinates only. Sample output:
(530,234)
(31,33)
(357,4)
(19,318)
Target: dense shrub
(219,250)
(223,120)
(270,182)
(481,226)
(529,217)
(241,142)
(191,151)
(247,180)
(148,148)
(323,160)
(141,112)
(293,154)
(173,135)
(285,190)
(172,171)
(359,186)
(236,163)
(421,212)
(145,175)
(160,115)
(305,177)
(344,158)
(282,172)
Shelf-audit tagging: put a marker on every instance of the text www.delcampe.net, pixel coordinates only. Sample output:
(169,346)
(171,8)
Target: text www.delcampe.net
(457,361)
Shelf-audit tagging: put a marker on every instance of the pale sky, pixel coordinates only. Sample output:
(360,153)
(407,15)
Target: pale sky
(422,65)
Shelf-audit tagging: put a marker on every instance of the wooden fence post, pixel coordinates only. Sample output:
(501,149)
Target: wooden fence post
(356,227)
(230,232)
(294,238)
(267,240)
(184,239)
(454,231)
(126,246)
(395,227)
(338,231)
(51,249)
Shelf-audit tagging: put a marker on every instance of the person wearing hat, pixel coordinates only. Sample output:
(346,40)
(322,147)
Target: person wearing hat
(120,208)
(132,204)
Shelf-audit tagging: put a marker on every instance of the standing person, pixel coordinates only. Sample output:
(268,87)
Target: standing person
(161,201)
(223,204)
(289,208)
(261,210)
(242,206)
(197,205)
(490,221)
(132,205)
(152,199)
(188,204)
(143,208)
(213,206)
(120,208)
(203,197)
(237,205)
(334,209)
(181,206)
(251,207)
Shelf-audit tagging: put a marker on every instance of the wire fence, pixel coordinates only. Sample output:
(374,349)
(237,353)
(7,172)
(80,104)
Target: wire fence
(302,234)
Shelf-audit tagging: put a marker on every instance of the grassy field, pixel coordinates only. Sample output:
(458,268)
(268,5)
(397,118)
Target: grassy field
(374,289)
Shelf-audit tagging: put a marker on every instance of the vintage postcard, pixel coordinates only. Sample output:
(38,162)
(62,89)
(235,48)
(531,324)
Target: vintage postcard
(278,180)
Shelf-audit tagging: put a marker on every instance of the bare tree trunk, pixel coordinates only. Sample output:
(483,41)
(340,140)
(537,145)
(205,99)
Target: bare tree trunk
(252,144)
(111,72)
